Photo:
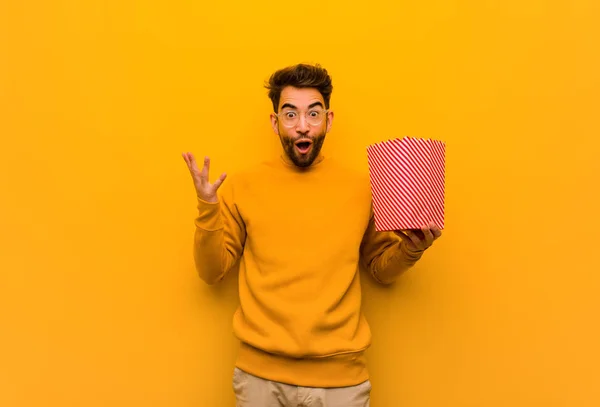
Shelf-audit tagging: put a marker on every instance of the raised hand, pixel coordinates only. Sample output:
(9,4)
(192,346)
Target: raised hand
(204,189)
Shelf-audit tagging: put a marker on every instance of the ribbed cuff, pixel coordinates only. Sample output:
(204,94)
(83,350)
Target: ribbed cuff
(411,255)
(209,215)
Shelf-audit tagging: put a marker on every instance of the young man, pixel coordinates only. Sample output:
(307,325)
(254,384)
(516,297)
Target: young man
(300,224)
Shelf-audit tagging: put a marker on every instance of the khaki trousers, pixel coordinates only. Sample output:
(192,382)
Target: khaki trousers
(252,391)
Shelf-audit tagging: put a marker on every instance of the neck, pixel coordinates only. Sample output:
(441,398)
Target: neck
(286,159)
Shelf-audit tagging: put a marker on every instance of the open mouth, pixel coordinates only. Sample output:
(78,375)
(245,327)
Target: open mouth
(303,146)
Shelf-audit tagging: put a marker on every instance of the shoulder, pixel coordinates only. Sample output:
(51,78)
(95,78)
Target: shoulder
(244,176)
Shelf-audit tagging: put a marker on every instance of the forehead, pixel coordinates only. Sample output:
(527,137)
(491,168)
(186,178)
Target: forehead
(300,97)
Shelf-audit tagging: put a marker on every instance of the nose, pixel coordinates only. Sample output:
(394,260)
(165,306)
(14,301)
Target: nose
(302,126)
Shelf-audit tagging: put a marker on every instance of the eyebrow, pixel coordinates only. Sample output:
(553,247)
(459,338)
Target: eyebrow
(291,106)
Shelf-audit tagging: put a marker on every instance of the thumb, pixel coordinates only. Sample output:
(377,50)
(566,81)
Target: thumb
(219,181)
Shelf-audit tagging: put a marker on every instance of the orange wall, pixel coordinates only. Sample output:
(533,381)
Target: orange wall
(99,301)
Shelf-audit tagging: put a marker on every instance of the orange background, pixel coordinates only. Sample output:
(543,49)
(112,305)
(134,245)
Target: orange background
(99,301)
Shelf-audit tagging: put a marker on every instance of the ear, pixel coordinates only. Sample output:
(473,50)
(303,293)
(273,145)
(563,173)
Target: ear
(329,120)
(274,121)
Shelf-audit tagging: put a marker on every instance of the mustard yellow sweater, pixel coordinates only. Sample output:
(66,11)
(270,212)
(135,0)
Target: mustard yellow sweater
(299,235)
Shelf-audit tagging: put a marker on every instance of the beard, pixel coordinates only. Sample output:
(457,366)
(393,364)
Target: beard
(303,160)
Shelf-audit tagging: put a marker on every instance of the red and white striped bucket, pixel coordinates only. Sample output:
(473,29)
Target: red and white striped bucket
(407,178)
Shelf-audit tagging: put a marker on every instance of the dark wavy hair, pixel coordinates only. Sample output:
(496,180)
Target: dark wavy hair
(300,76)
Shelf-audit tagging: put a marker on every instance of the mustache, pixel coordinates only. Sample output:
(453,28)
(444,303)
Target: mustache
(313,138)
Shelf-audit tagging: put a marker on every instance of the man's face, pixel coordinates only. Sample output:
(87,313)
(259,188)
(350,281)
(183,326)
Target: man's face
(303,140)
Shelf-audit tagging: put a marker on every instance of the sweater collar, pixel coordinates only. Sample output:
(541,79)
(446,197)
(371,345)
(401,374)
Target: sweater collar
(284,159)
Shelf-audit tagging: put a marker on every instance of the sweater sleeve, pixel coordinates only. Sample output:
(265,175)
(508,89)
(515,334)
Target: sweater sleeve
(220,236)
(385,254)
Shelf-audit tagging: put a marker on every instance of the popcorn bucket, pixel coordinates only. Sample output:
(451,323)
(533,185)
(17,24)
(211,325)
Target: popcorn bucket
(407,177)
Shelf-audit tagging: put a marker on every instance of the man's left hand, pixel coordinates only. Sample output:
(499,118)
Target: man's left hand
(418,240)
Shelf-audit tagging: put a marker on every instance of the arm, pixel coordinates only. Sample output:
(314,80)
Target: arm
(220,231)
(385,254)
(219,237)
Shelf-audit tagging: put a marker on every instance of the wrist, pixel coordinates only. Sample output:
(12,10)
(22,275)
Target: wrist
(207,200)
(410,252)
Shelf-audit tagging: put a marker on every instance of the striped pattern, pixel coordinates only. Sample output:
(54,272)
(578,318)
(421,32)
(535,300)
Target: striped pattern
(407,182)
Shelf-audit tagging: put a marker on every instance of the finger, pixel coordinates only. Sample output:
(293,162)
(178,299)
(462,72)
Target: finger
(205,169)
(218,182)
(402,235)
(407,240)
(417,236)
(414,238)
(428,236)
(186,158)
(191,163)
(190,160)
(436,231)
(419,233)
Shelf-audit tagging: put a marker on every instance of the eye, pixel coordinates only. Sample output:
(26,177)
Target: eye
(290,115)
(314,113)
